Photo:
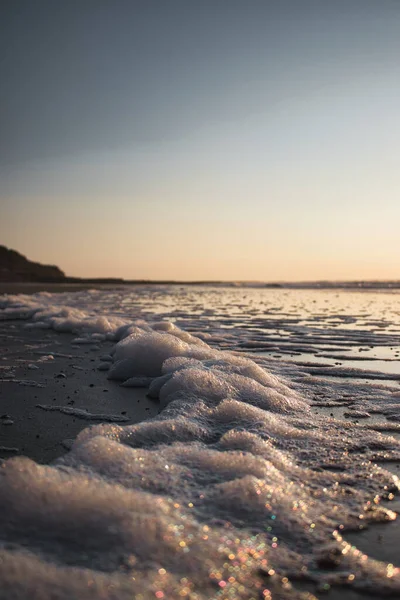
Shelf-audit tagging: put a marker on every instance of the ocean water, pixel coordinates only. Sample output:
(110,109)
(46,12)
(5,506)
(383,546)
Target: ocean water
(278,429)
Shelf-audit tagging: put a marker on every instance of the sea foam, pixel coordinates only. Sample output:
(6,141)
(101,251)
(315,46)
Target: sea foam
(235,490)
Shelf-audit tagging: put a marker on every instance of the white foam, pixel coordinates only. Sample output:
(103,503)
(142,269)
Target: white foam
(24,382)
(82,413)
(235,488)
(146,352)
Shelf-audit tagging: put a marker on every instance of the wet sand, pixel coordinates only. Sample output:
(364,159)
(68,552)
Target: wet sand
(71,378)
(68,379)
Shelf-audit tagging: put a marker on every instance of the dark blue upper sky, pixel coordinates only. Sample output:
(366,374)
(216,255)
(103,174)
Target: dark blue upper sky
(82,75)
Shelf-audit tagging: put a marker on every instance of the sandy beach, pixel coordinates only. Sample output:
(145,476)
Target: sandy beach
(44,368)
(199,300)
(51,389)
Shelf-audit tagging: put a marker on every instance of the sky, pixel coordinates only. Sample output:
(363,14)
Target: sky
(202,139)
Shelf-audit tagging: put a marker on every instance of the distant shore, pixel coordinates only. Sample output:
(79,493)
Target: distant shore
(75,284)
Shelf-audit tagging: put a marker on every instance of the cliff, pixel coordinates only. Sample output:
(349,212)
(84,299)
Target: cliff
(16,267)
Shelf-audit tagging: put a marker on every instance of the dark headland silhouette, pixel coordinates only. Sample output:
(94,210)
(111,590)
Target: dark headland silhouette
(16,268)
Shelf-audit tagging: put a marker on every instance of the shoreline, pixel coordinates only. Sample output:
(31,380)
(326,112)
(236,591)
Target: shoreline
(28,287)
(72,375)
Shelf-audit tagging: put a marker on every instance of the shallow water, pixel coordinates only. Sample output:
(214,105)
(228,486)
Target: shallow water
(242,486)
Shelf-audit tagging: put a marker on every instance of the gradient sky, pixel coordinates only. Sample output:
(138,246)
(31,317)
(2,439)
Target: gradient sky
(202,139)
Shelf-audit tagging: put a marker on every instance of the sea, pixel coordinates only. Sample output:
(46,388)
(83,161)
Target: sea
(275,450)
